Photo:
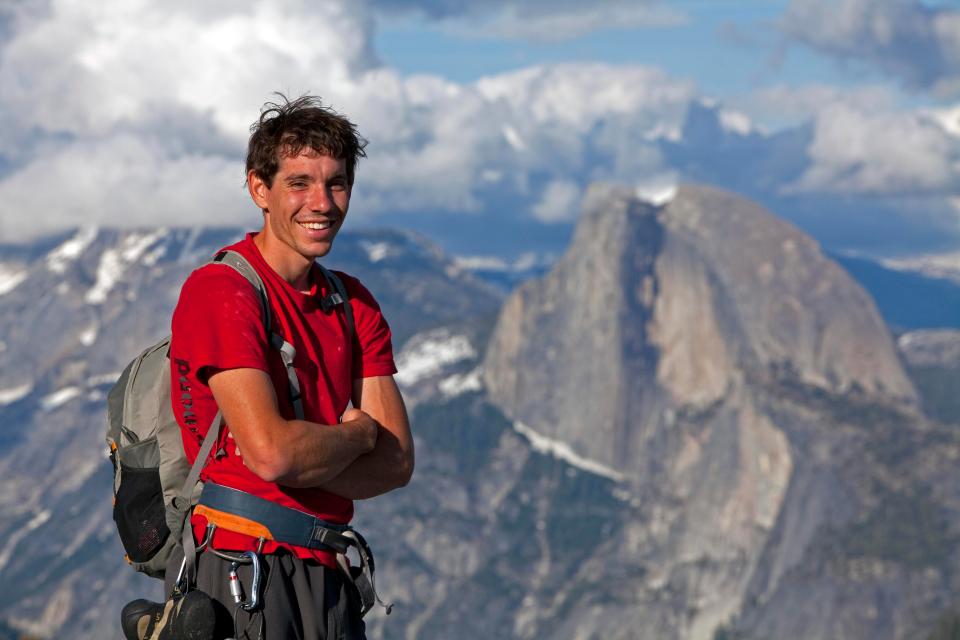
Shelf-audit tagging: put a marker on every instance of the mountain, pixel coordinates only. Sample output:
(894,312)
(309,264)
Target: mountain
(694,426)
(73,311)
(754,403)
(932,358)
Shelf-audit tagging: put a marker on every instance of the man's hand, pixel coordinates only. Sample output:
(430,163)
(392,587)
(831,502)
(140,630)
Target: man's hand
(390,464)
(362,420)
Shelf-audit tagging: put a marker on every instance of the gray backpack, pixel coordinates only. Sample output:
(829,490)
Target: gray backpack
(154,487)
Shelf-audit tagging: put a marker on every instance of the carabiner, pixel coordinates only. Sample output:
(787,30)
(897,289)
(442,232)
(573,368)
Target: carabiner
(236,589)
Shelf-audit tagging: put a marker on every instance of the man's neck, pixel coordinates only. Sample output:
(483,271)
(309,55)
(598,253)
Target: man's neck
(290,266)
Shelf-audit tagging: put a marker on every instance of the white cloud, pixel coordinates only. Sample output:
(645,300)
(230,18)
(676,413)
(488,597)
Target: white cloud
(857,150)
(541,20)
(792,103)
(571,123)
(906,39)
(121,180)
(560,202)
(104,63)
(126,112)
(137,114)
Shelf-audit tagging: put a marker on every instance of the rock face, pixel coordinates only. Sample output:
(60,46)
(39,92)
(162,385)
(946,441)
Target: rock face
(702,349)
(673,308)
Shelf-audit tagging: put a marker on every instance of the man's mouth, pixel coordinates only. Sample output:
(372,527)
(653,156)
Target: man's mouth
(316,226)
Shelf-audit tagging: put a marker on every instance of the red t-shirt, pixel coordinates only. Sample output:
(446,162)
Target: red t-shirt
(217,325)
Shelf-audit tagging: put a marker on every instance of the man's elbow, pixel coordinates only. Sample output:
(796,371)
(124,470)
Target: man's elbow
(269,464)
(404,470)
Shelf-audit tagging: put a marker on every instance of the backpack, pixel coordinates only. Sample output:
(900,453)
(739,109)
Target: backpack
(154,487)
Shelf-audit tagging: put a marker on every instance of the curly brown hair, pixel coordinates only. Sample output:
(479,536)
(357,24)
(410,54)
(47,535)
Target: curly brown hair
(287,128)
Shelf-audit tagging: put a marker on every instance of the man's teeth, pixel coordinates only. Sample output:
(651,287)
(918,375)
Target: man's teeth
(316,226)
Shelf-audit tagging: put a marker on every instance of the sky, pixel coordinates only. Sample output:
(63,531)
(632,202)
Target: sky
(488,121)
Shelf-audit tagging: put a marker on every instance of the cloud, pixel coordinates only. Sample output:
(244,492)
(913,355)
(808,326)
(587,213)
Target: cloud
(513,135)
(798,103)
(858,150)
(121,113)
(121,180)
(539,20)
(560,202)
(905,39)
(85,68)
(128,114)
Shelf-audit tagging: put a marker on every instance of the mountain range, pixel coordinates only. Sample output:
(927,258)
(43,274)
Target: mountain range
(694,425)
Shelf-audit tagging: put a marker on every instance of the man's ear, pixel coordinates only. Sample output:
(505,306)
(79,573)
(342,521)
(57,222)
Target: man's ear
(258,189)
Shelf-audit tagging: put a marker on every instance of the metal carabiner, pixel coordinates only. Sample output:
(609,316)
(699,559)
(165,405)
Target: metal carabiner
(236,590)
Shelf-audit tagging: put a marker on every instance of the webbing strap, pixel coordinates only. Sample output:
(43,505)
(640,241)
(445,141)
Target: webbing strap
(363,578)
(213,432)
(284,524)
(338,296)
(292,526)
(183,501)
(287,354)
(241,266)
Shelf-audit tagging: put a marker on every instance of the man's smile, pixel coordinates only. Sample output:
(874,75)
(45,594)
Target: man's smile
(316,226)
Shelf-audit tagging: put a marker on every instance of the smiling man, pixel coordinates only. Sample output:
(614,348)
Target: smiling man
(292,456)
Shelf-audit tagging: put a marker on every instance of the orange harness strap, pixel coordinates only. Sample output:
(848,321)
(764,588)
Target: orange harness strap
(232,522)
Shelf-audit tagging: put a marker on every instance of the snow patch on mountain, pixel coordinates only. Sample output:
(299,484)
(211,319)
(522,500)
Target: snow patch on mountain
(10,277)
(59,398)
(114,263)
(12,394)
(460,383)
(377,251)
(103,378)
(427,354)
(20,533)
(60,258)
(563,451)
(657,193)
(89,335)
(735,122)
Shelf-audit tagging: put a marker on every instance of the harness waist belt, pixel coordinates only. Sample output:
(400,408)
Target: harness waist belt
(240,511)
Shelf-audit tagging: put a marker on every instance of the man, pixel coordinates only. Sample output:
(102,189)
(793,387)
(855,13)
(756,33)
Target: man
(301,162)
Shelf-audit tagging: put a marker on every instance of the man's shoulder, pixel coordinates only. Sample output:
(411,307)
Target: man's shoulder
(214,272)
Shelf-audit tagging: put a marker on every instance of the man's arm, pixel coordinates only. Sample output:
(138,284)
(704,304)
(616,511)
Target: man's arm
(390,464)
(293,453)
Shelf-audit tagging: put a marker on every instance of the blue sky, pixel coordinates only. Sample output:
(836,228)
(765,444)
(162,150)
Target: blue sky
(489,121)
(703,47)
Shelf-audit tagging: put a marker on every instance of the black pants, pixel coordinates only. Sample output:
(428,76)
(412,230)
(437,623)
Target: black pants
(301,600)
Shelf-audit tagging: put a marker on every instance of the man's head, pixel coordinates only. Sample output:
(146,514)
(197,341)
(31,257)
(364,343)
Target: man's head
(290,128)
(300,168)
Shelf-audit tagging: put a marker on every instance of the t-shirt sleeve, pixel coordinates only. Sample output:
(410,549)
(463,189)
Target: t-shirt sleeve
(217,323)
(373,341)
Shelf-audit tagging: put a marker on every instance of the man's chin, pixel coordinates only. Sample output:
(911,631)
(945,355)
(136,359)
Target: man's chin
(318,250)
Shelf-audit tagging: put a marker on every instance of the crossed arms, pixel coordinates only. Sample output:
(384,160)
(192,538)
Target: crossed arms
(369,453)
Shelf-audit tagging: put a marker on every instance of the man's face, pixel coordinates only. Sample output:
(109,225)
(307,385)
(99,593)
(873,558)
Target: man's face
(304,207)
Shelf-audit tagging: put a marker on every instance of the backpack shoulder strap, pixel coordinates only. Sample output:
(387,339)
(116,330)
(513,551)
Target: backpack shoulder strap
(338,296)
(242,266)
(287,351)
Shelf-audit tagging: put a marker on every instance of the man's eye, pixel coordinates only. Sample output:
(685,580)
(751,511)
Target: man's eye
(298,185)
(338,186)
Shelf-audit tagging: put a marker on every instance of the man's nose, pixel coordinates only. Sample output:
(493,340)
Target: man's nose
(319,199)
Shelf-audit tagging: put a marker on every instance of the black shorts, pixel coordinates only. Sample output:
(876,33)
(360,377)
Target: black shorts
(301,600)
